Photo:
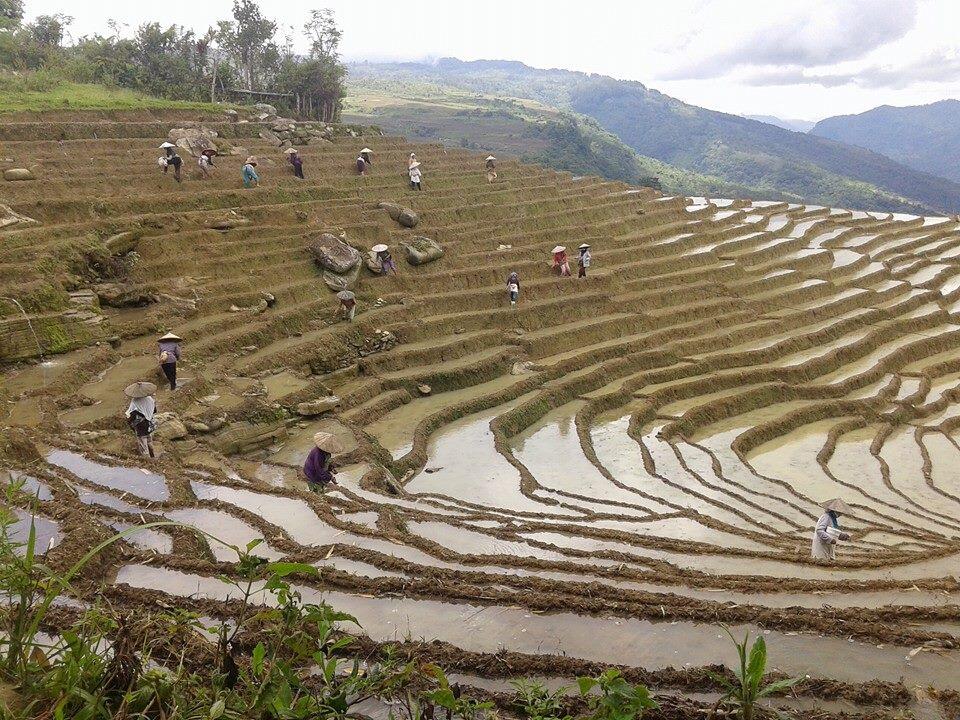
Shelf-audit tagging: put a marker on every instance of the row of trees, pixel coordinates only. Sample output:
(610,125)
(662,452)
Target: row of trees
(174,62)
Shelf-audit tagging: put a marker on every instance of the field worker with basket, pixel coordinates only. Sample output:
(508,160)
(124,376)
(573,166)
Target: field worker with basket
(168,355)
(828,532)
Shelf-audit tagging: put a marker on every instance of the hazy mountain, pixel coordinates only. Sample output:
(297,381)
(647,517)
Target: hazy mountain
(736,150)
(923,137)
(785,123)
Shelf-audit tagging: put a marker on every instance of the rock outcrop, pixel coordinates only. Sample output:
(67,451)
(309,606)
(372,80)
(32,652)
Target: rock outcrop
(422,250)
(17,174)
(405,216)
(331,253)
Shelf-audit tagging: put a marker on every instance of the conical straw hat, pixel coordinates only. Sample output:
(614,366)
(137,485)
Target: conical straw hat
(585,245)
(366,150)
(558,248)
(291,151)
(379,248)
(490,157)
(346,295)
(171,336)
(837,505)
(140,389)
(167,145)
(252,160)
(328,442)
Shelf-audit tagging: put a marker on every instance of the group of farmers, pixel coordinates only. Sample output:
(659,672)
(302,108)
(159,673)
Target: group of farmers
(251,178)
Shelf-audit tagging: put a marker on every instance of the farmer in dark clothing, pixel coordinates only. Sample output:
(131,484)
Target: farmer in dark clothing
(173,159)
(169,354)
(319,469)
(363,161)
(296,161)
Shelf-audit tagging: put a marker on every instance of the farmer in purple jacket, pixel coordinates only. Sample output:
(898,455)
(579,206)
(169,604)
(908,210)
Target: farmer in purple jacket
(319,468)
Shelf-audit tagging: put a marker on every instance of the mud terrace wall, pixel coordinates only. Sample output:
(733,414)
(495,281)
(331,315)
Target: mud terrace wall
(598,475)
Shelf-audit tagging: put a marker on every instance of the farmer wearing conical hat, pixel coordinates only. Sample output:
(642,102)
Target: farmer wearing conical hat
(249,173)
(172,158)
(827,532)
(294,157)
(140,414)
(319,468)
(415,175)
(386,260)
(583,261)
(513,287)
(491,168)
(411,160)
(348,304)
(363,161)
(560,262)
(168,353)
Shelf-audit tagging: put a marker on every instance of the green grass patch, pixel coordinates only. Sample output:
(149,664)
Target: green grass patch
(35,92)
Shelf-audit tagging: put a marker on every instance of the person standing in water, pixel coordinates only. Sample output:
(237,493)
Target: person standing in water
(827,532)
(513,287)
(140,414)
(319,468)
(583,261)
(415,176)
(169,355)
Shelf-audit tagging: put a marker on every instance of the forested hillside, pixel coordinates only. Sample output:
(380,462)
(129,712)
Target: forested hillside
(736,150)
(924,137)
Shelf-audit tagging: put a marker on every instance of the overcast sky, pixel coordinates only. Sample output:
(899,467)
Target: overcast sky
(802,59)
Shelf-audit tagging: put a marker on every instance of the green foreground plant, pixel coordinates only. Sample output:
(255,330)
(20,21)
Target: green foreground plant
(742,694)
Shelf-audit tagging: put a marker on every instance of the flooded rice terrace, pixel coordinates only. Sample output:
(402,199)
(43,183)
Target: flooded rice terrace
(603,474)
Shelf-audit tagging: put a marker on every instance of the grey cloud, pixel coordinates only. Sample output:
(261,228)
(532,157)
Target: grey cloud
(933,67)
(826,34)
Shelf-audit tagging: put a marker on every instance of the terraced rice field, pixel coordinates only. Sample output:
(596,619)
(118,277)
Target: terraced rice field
(654,471)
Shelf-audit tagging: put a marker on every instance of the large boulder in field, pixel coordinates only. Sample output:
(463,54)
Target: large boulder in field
(341,281)
(169,427)
(405,216)
(332,253)
(15,174)
(271,137)
(123,242)
(193,140)
(421,250)
(265,108)
(319,406)
(119,295)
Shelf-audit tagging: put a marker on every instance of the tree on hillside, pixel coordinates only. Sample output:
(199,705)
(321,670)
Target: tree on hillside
(11,14)
(250,38)
(324,34)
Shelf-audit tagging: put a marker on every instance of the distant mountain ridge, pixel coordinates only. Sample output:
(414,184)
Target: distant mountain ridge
(786,123)
(737,150)
(923,137)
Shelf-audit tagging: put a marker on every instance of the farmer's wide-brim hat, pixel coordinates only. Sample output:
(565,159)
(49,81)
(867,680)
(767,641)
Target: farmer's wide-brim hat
(328,442)
(346,295)
(170,336)
(291,151)
(490,157)
(837,505)
(366,150)
(558,248)
(167,145)
(379,248)
(140,390)
(583,247)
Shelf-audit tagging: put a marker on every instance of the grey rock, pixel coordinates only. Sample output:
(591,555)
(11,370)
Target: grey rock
(422,250)
(15,174)
(341,281)
(119,296)
(331,253)
(169,427)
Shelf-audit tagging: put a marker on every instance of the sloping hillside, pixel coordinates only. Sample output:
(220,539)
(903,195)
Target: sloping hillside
(525,129)
(735,149)
(923,137)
